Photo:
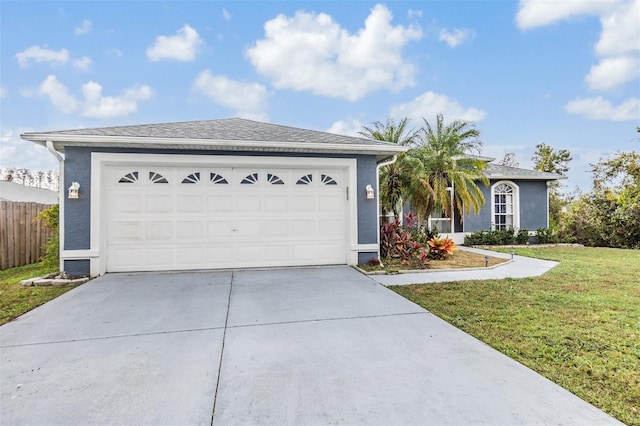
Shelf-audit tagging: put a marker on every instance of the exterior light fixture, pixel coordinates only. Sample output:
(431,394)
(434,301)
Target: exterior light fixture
(486,261)
(74,190)
(512,251)
(370,194)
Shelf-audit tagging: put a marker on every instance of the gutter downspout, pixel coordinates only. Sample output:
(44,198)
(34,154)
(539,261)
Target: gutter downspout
(60,158)
(378,167)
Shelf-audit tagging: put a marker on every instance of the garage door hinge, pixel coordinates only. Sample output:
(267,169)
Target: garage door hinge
(347,188)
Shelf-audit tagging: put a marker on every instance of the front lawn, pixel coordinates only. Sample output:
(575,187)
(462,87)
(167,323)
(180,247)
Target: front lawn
(578,325)
(16,299)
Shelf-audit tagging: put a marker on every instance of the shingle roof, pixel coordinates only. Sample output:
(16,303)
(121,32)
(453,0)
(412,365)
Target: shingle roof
(233,134)
(496,171)
(227,129)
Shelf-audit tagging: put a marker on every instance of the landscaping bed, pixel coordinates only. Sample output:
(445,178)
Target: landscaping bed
(460,259)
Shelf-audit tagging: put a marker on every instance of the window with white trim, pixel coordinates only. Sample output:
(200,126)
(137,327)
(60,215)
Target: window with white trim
(504,205)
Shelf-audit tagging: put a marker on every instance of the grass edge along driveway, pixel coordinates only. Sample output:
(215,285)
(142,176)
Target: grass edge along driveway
(578,325)
(16,299)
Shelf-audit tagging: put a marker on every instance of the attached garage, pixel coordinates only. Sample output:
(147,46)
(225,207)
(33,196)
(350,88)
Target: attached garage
(201,217)
(227,193)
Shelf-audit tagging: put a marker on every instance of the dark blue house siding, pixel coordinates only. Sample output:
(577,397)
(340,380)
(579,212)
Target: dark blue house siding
(533,204)
(533,207)
(77,213)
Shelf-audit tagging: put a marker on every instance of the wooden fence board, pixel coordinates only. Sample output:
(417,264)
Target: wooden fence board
(21,236)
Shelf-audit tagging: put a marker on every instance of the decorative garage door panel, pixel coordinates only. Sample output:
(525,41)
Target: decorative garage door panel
(171,218)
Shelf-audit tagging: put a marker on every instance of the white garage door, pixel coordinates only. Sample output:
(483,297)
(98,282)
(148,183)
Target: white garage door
(175,218)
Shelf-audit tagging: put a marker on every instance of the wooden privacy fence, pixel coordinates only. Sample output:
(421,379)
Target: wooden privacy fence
(21,237)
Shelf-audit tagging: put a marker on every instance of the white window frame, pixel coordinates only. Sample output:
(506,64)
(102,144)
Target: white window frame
(515,206)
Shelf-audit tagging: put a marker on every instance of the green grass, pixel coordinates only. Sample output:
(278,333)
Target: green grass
(578,325)
(16,299)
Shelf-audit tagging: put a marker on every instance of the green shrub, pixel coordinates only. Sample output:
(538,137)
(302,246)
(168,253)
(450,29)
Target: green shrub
(51,256)
(546,236)
(522,236)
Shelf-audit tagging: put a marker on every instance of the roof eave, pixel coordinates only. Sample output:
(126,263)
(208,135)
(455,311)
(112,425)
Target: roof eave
(61,140)
(521,177)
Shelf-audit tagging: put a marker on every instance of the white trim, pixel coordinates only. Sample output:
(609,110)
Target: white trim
(365,247)
(99,161)
(516,202)
(78,254)
(210,144)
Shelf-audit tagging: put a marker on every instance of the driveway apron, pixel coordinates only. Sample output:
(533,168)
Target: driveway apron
(121,349)
(299,346)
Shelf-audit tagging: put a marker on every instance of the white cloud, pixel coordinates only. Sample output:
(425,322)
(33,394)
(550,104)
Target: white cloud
(612,72)
(226,15)
(94,104)
(601,109)
(430,104)
(59,95)
(98,106)
(182,47)
(350,127)
(82,64)
(617,47)
(3,93)
(538,13)
(248,100)
(312,52)
(456,36)
(84,28)
(37,54)
(620,30)
(18,153)
(411,13)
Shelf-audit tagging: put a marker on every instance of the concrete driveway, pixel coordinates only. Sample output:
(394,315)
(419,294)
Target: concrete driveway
(287,346)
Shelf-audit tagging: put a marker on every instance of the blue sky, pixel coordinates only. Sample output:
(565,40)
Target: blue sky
(566,73)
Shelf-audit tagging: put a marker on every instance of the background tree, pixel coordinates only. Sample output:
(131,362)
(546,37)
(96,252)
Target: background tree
(8,174)
(610,214)
(547,159)
(395,178)
(444,152)
(509,160)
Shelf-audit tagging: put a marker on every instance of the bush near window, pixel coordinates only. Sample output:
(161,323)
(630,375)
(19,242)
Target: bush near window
(498,237)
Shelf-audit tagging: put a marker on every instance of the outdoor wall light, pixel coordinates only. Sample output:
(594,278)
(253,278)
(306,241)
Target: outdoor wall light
(370,195)
(74,190)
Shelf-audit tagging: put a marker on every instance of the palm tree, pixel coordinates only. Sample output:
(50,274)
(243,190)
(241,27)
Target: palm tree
(444,154)
(395,178)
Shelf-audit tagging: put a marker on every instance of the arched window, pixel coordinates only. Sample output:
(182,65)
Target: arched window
(505,205)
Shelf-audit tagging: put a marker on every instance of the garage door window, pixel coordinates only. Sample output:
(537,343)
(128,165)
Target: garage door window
(250,179)
(328,180)
(129,178)
(216,179)
(157,178)
(305,180)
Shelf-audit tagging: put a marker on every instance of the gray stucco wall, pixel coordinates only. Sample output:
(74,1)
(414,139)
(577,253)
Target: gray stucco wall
(367,209)
(533,204)
(77,213)
(533,207)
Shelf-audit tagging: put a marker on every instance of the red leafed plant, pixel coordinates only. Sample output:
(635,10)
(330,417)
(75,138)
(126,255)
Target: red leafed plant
(397,243)
(440,248)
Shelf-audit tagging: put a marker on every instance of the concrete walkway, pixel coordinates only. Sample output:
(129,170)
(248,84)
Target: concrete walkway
(520,267)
